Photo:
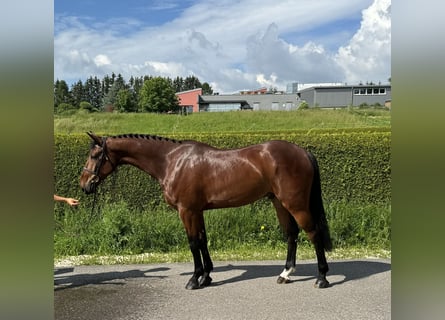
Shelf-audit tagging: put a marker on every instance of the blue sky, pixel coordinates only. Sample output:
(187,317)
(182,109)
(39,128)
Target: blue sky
(148,13)
(233,45)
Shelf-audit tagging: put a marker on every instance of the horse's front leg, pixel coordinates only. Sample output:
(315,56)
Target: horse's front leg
(193,283)
(194,226)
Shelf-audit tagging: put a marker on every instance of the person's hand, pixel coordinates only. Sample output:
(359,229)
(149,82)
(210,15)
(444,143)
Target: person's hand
(72,202)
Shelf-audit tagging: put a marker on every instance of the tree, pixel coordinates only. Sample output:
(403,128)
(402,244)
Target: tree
(93,92)
(178,84)
(124,101)
(190,83)
(111,97)
(106,84)
(207,89)
(157,95)
(61,93)
(77,94)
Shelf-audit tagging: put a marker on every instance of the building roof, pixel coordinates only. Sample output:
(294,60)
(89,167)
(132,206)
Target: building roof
(191,90)
(386,85)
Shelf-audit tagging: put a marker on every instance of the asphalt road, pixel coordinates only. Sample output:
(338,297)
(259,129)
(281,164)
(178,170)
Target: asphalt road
(360,289)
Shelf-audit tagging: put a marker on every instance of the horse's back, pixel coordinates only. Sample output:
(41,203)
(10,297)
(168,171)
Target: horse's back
(286,157)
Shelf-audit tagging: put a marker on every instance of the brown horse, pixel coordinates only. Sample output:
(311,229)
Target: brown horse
(195,177)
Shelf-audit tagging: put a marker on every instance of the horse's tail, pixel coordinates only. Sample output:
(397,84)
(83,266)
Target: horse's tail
(317,209)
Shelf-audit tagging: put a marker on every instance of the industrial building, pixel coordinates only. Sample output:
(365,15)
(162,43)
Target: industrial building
(321,96)
(343,96)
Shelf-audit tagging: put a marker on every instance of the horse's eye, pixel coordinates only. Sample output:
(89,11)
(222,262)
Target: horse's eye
(96,154)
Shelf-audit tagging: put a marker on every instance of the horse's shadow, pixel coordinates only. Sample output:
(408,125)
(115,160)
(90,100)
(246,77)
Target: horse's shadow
(77,280)
(348,270)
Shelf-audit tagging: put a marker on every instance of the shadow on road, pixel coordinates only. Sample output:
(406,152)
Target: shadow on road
(72,281)
(350,270)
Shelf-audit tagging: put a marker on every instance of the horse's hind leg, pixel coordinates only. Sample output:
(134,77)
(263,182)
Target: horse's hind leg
(208,264)
(305,221)
(323,267)
(291,230)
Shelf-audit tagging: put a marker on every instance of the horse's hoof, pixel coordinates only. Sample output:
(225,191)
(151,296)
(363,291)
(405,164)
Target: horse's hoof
(205,281)
(282,280)
(192,284)
(321,283)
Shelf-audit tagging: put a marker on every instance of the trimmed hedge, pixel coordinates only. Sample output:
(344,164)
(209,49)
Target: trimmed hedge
(354,165)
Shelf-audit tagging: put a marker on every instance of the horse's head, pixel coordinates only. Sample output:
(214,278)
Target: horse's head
(98,165)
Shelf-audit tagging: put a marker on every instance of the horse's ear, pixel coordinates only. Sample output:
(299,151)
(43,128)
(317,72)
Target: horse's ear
(95,138)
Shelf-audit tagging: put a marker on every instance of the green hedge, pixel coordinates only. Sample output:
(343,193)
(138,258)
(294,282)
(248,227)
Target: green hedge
(354,165)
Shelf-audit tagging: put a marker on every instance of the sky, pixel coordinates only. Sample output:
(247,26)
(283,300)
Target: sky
(231,44)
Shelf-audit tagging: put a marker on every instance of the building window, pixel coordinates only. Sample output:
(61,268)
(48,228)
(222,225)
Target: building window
(221,107)
(369,91)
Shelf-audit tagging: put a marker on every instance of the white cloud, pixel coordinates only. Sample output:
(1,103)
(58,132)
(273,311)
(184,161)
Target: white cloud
(233,45)
(271,55)
(102,60)
(260,78)
(367,57)
(166,68)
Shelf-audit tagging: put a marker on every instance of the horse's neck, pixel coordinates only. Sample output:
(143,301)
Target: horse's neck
(149,155)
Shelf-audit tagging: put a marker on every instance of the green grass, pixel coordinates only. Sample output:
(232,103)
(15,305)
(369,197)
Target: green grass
(118,234)
(245,121)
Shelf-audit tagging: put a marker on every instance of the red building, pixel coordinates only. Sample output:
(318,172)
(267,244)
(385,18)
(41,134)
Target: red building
(189,99)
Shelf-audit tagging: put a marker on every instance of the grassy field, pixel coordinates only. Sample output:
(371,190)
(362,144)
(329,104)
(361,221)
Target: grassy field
(120,235)
(245,121)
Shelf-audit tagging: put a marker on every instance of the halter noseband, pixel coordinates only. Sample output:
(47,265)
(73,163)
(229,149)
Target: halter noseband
(103,157)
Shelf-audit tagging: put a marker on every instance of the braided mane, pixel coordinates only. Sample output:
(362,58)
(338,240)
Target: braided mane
(144,136)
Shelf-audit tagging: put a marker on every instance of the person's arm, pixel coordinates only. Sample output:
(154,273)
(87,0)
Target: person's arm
(71,201)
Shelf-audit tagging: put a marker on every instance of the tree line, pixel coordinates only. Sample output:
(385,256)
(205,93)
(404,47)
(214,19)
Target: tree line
(113,93)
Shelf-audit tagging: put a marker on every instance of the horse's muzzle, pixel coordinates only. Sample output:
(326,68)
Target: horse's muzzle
(89,188)
(91,185)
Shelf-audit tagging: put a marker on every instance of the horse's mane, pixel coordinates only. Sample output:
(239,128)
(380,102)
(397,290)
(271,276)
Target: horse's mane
(144,136)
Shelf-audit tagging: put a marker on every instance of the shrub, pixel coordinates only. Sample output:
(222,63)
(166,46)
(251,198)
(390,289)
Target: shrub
(130,215)
(354,165)
(66,109)
(303,106)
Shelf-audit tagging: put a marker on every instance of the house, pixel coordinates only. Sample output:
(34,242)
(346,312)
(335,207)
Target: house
(188,100)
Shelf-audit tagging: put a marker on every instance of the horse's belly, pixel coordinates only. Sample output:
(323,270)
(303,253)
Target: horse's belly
(236,193)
